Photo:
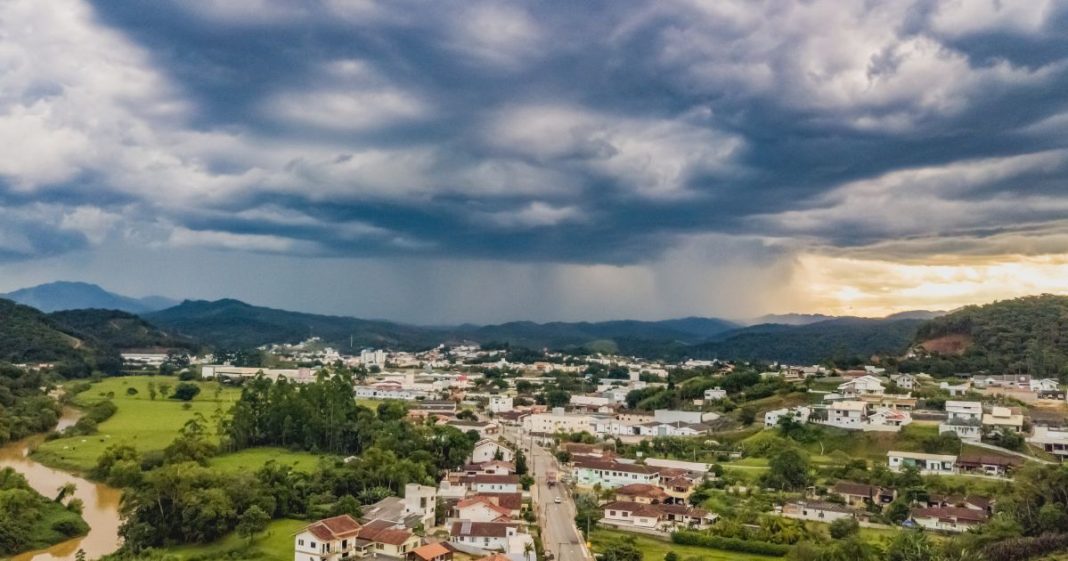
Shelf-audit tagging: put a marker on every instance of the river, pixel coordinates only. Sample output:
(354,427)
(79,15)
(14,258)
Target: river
(101,501)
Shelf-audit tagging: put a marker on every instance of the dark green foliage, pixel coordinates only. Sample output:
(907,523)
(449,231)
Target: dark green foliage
(24,408)
(685,537)
(28,520)
(1028,335)
(787,470)
(29,336)
(844,527)
(185,391)
(1020,549)
(117,330)
(837,339)
(625,549)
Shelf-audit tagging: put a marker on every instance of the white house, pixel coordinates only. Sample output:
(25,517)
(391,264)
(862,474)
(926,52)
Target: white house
(483,483)
(481,509)
(963,418)
(956,389)
(590,401)
(948,519)
(673,416)
(904,381)
(1004,419)
(330,539)
(1044,385)
(487,450)
(865,385)
(500,403)
(421,500)
(847,414)
(489,536)
(800,414)
(887,420)
(1052,441)
(557,421)
(628,514)
(934,464)
(610,474)
(715,394)
(815,510)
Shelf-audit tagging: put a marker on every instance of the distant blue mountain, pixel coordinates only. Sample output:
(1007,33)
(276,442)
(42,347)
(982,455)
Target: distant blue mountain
(62,295)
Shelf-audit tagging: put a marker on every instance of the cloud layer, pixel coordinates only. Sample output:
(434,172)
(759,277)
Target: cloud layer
(617,145)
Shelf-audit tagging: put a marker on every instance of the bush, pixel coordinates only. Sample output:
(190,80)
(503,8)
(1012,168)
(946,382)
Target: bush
(844,527)
(1019,549)
(131,391)
(729,544)
(70,527)
(185,391)
(187,376)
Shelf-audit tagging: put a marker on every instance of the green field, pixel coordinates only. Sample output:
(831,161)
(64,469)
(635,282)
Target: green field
(276,544)
(654,549)
(253,458)
(140,422)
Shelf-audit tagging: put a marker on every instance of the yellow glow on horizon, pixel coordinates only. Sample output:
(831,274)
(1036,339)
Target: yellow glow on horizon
(873,288)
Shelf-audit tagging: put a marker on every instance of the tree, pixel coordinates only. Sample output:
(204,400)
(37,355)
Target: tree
(844,527)
(64,491)
(557,398)
(671,556)
(787,470)
(520,463)
(251,522)
(164,390)
(622,550)
(152,391)
(186,391)
(897,511)
(747,415)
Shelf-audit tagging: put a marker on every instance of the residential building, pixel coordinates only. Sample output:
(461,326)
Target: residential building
(624,514)
(988,464)
(1003,419)
(861,494)
(430,552)
(481,509)
(557,421)
(691,417)
(864,385)
(641,493)
(387,539)
(817,510)
(610,474)
(799,414)
(935,464)
(715,394)
(963,418)
(847,414)
(500,403)
(487,450)
(330,539)
(489,536)
(493,483)
(1044,385)
(948,519)
(904,381)
(1053,441)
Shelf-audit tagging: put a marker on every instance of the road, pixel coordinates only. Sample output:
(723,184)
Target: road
(559,534)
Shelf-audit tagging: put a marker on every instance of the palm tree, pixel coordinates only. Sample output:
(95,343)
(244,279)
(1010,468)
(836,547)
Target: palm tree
(65,491)
(528,548)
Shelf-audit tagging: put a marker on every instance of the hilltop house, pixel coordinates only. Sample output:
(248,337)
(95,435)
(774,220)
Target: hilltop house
(1004,419)
(963,418)
(934,464)
(815,510)
(864,385)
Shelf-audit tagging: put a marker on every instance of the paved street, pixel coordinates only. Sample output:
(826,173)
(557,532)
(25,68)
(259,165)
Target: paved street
(559,534)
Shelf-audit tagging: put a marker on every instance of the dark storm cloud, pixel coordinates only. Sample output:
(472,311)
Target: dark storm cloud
(594,132)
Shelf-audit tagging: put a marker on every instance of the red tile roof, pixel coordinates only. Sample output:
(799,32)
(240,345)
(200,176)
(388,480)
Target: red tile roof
(480,529)
(430,551)
(334,528)
(384,531)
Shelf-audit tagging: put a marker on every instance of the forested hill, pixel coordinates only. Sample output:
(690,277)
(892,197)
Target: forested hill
(117,330)
(841,340)
(1027,335)
(29,336)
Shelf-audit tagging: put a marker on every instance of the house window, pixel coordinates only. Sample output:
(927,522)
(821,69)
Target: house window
(311,545)
(300,542)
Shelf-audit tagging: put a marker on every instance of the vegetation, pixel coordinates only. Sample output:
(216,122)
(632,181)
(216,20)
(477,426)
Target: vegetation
(117,330)
(29,336)
(1025,335)
(655,549)
(24,408)
(30,521)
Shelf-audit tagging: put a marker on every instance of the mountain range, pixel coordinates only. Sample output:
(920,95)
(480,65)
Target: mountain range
(64,295)
(233,324)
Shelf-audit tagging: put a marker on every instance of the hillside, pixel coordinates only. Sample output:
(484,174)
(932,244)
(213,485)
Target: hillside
(1028,335)
(235,324)
(56,296)
(839,339)
(116,329)
(29,336)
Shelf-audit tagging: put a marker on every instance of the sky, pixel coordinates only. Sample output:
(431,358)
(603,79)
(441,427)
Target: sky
(482,161)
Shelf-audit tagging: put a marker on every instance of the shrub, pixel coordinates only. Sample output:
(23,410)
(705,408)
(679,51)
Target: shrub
(729,544)
(185,391)
(844,527)
(1019,549)
(131,391)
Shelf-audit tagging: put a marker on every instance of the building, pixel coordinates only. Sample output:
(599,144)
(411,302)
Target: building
(487,450)
(690,417)
(226,372)
(500,403)
(664,517)
(988,464)
(493,483)
(481,508)
(489,536)
(557,421)
(144,358)
(847,414)
(799,414)
(1004,419)
(715,394)
(330,539)
(904,381)
(816,510)
(933,464)
(1044,385)
(963,418)
(641,493)
(610,474)
(430,552)
(417,508)
(861,494)
(387,539)
(864,385)
(1052,441)
(373,357)
(948,519)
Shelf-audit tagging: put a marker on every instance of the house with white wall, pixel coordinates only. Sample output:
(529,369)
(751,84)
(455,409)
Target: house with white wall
(487,450)
(963,418)
(610,474)
(864,385)
(932,464)
(816,510)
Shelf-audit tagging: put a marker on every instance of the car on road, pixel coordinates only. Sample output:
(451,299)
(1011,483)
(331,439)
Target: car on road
(557,500)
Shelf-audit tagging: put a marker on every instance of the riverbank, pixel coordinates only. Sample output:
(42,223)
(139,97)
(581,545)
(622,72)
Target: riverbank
(100,502)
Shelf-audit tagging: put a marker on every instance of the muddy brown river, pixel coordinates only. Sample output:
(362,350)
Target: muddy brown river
(101,501)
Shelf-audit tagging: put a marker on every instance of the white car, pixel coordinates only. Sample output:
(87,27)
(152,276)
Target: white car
(557,500)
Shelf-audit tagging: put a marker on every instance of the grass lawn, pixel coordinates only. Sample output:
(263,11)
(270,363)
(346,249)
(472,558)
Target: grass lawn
(253,458)
(276,544)
(140,422)
(654,549)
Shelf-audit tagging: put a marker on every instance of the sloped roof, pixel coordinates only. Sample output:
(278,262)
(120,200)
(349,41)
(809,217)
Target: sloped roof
(334,528)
